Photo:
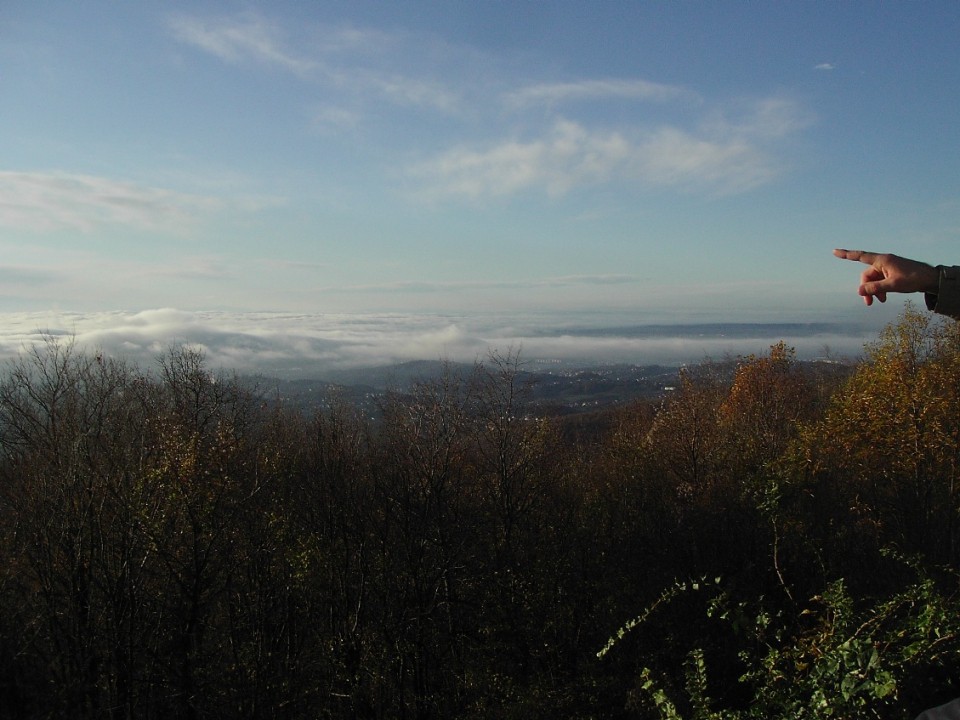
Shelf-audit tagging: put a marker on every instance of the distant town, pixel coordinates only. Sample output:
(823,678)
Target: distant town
(552,387)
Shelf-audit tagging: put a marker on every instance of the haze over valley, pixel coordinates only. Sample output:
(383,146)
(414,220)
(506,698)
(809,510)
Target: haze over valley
(316,346)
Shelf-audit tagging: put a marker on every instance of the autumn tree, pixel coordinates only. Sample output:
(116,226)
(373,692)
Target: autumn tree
(684,438)
(887,448)
(769,397)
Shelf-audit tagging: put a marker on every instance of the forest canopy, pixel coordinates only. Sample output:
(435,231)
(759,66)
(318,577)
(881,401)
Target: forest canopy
(775,539)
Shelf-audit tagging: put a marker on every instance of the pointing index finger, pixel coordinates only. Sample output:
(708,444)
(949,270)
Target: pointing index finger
(865,257)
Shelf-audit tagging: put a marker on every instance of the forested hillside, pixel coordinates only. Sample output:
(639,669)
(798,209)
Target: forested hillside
(782,544)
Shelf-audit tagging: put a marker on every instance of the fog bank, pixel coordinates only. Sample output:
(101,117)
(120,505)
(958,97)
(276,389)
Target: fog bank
(307,345)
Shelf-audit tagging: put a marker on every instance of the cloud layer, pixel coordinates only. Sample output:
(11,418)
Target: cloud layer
(302,345)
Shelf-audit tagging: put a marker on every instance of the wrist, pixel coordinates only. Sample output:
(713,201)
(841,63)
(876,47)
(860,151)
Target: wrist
(930,279)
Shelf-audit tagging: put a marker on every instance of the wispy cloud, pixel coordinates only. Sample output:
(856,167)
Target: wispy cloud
(13,275)
(825,66)
(453,285)
(413,92)
(764,120)
(297,265)
(44,201)
(329,118)
(610,279)
(236,40)
(190,267)
(333,59)
(633,89)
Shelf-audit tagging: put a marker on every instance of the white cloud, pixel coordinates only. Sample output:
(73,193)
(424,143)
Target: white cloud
(825,66)
(554,93)
(672,157)
(45,201)
(723,160)
(569,155)
(403,90)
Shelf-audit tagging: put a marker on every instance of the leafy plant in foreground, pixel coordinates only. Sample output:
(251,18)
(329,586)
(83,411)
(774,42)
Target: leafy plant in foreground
(832,659)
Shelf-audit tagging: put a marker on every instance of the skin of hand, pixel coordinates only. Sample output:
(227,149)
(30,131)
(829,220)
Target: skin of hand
(891,273)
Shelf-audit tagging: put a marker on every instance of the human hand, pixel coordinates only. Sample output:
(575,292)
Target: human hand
(891,273)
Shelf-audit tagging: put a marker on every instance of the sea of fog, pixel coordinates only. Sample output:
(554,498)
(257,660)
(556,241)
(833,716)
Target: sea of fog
(292,345)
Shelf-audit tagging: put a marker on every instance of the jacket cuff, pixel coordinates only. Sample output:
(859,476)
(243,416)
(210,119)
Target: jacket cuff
(946,301)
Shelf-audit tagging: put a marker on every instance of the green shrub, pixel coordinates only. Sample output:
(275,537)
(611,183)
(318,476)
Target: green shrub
(831,658)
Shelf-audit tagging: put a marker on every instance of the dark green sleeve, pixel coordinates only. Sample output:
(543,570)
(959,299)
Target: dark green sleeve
(950,711)
(946,300)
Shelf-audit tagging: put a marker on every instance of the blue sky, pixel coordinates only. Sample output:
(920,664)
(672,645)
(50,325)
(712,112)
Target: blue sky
(656,162)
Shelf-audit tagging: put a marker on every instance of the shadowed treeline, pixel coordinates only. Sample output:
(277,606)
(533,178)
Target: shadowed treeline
(778,545)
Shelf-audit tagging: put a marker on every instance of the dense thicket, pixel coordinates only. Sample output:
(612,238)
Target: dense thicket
(782,544)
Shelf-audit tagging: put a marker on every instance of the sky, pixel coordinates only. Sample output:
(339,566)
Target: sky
(444,173)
